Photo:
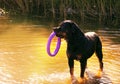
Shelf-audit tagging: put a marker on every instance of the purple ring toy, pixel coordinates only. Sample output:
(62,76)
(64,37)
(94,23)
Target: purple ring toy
(49,42)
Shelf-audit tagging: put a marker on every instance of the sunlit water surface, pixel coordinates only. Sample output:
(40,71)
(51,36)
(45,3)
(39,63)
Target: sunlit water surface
(23,57)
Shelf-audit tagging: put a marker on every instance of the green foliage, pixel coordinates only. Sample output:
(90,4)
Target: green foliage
(104,12)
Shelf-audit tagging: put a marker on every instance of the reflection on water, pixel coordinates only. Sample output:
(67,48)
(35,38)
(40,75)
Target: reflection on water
(23,57)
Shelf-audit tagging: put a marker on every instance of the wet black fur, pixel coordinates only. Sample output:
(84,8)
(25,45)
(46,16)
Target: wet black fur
(80,46)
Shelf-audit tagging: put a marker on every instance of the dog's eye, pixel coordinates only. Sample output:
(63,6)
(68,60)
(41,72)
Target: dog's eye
(57,27)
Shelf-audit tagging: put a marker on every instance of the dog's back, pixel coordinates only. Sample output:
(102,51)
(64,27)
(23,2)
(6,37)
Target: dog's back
(91,35)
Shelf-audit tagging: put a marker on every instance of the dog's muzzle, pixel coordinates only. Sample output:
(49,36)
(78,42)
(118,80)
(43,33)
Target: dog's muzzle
(58,32)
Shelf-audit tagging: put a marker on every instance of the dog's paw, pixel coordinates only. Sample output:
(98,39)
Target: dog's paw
(74,80)
(82,80)
(99,74)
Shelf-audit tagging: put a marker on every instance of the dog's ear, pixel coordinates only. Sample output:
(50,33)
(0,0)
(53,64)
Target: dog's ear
(75,27)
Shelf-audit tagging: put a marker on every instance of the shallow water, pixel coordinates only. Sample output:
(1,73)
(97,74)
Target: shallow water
(23,57)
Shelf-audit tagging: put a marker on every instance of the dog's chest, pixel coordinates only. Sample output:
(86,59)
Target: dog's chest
(73,56)
(75,48)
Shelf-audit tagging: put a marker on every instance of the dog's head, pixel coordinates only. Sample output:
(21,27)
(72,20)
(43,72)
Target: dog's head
(66,29)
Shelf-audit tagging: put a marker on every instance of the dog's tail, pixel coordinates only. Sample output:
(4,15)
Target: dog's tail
(99,53)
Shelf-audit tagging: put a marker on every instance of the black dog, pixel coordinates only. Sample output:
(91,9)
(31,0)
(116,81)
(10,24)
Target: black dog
(80,46)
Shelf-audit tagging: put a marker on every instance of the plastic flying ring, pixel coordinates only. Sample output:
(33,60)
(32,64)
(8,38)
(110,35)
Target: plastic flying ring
(49,43)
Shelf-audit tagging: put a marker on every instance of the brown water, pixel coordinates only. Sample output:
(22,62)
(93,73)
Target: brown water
(23,57)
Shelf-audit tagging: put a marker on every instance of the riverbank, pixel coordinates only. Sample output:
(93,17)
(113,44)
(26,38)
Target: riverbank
(55,22)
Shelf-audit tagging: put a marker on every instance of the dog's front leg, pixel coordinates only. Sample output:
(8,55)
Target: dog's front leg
(71,67)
